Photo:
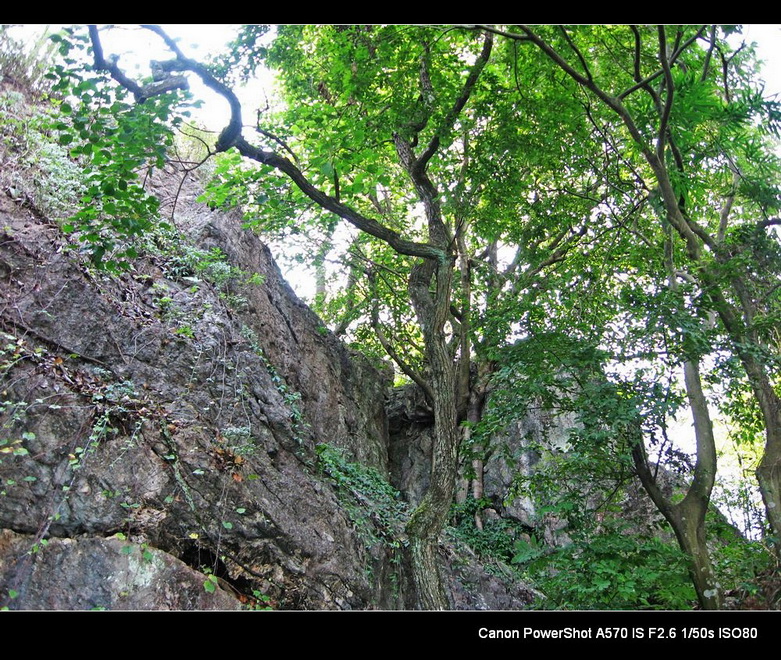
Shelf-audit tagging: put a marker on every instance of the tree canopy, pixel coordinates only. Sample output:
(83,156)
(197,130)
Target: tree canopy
(585,215)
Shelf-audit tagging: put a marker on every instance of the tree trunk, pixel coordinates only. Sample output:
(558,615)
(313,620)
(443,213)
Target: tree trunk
(687,518)
(769,478)
(688,523)
(769,470)
(429,519)
(425,571)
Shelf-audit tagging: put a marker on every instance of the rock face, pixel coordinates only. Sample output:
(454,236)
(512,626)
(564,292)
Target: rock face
(95,573)
(180,408)
(519,458)
(411,429)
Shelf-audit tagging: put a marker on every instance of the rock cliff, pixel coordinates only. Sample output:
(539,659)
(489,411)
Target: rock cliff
(160,431)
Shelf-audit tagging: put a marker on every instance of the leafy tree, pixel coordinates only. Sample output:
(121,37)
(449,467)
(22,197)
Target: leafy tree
(691,118)
(676,141)
(417,127)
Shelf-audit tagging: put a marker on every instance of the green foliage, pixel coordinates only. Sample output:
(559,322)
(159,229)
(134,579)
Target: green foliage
(37,172)
(180,260)
(559,382)
(570,275)
(239,440)
(118,143)
(24,63)
(738,562)
(372,504)
(259,602)
(612,568)
(604,566)
(211,583)
(498,538)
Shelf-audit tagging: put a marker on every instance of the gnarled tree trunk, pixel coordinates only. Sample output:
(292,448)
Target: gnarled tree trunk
(430,517)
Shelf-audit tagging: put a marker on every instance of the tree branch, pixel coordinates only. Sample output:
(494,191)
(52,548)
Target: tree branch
(450,118)
(672,59)
(709,55)
(231,137)
(770,222)
(668,101)
(405,368)
(369,225)
(279,141)
(140,93)
(233,130)
(727,209)
(577,52)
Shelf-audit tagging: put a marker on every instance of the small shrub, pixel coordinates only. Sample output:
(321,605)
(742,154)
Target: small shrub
(613,570)
(498,537)
(37,172)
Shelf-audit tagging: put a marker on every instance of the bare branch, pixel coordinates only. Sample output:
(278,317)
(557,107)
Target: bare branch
(672,59)
(369,225)
(642,83)
(727,209)
(502,33)
(233,130)
(638,42)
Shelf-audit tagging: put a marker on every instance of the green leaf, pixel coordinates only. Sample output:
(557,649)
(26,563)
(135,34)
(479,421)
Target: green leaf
(210,584)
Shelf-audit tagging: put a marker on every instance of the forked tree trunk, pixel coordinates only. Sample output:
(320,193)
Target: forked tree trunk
(717,285)
(687,517)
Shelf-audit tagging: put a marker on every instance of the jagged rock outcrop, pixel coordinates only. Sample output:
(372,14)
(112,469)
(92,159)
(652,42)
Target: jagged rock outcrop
(98,573)
(515,455)
(411,437)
